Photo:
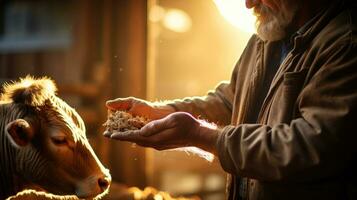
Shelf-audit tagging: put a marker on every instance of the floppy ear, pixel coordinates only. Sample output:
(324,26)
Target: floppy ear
(19,132)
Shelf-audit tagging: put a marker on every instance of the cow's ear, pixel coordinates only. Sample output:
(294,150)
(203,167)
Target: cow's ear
(19,132)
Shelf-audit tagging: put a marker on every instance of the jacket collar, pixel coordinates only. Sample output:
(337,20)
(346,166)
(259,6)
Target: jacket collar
(306,33)
(300,40)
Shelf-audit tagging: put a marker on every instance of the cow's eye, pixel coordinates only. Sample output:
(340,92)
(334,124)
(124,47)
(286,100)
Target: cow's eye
(59,140)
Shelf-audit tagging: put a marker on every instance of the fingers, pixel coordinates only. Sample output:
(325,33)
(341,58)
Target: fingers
(138,138)
(119,104)
(107,134)
(156,126)
(131,136)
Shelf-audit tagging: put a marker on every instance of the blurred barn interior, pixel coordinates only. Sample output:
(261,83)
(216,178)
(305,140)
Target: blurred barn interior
(97,50)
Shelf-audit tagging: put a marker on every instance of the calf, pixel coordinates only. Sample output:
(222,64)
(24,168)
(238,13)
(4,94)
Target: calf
(43,144)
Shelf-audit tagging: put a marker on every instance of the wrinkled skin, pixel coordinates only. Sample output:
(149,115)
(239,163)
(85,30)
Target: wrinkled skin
(168,130)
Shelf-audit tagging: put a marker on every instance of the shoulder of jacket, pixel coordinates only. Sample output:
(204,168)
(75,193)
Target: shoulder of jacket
(341,30)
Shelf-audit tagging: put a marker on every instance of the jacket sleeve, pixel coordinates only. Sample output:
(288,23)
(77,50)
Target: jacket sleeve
(215,107)
(319,144)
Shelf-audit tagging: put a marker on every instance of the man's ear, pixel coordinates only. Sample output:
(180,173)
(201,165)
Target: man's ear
(19,132)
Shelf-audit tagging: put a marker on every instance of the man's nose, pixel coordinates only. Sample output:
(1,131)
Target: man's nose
(251,3)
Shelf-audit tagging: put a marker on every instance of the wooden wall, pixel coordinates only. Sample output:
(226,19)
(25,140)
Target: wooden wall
(128,76)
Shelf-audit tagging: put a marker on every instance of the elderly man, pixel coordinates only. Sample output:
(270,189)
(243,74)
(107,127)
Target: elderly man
(286,118)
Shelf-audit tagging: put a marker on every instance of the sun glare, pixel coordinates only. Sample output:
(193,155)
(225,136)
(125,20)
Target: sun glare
(177,20)
(235,12)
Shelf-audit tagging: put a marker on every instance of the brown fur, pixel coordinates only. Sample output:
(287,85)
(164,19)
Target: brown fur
(29,91)
(34,100)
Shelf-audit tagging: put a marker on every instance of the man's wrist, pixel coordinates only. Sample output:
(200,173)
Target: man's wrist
(207,138)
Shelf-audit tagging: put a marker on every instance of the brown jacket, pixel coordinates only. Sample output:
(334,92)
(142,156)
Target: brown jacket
(302,145)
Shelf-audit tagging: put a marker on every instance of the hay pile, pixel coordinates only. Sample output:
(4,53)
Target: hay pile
(121,121)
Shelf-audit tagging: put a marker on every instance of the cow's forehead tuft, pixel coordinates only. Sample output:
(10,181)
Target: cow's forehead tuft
(29,91)
(40,94)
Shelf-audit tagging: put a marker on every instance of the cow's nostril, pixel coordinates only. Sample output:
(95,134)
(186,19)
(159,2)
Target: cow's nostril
(103,183)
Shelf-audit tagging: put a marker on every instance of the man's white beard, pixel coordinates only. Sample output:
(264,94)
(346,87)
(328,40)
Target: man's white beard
(273,26)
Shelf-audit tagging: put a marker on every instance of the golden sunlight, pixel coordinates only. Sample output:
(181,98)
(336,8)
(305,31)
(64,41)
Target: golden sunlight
(235,12)
(177,20)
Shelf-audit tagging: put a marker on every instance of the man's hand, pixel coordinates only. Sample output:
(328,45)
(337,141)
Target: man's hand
(140,107)
(176,130)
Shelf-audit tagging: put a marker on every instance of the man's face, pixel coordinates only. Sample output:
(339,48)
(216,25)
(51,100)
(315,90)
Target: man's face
(273,17)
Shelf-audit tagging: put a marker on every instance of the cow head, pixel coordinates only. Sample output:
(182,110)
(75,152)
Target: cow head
(49,138)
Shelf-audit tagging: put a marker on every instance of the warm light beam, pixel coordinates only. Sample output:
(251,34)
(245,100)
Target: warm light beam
(235,12)
(177,20)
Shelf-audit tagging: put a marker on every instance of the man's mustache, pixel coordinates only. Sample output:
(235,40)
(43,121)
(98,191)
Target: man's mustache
(261,12)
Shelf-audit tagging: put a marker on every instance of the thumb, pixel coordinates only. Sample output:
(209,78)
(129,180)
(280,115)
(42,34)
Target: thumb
(119,104)
(156,126)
